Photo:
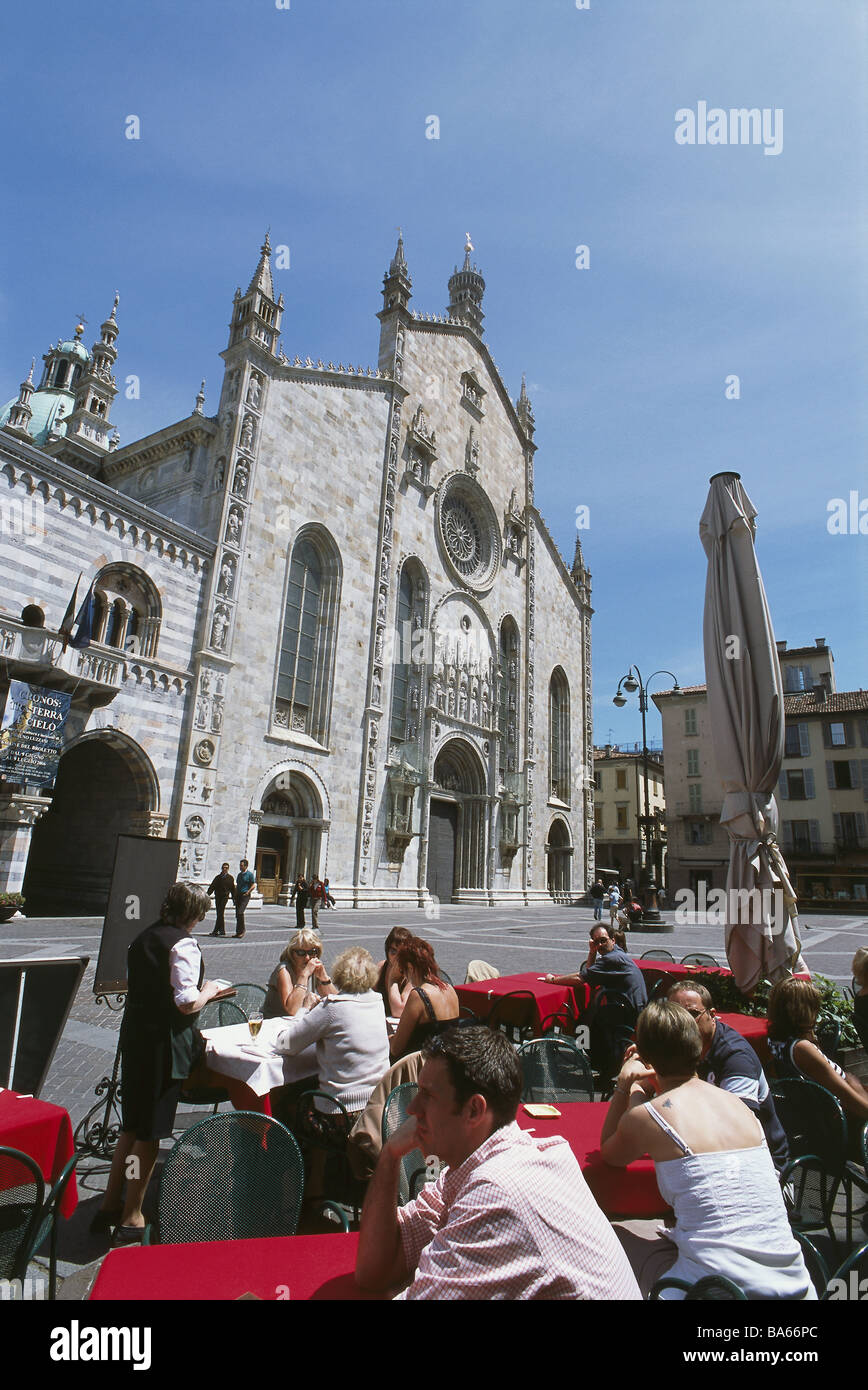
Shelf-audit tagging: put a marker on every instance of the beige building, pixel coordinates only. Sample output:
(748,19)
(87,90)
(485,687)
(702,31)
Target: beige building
(619,810)
(822,790)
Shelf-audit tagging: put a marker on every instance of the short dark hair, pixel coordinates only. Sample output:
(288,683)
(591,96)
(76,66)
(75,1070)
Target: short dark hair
(680,986)
(245,861)
(482,1062)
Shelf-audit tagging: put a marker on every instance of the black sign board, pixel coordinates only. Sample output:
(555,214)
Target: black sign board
(35,999)
(144,871)
(31,734)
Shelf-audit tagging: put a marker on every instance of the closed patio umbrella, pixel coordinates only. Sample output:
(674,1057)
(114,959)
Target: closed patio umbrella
(746,708)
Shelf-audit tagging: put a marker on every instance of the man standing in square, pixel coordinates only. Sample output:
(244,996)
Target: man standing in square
(243,889)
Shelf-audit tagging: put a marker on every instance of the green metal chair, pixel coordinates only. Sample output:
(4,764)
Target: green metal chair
(514,1014)
(555,1069)
(816,1130)
(817,1267)
(447,979)
(413,1171)
(234,1176)
(220,1013)
(47,1225)
(713,1288)
(858,1263)
(325,1130)
(248,998)
(700,958)
(559,1024)
(22,1199)
(658,954)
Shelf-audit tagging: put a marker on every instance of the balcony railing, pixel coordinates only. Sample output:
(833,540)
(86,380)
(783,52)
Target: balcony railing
(826,849)
(36,654)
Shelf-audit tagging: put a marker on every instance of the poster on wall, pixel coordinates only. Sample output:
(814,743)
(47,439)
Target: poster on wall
(31,733)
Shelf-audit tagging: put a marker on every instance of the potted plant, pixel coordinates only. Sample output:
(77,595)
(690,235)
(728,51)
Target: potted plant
(10,903)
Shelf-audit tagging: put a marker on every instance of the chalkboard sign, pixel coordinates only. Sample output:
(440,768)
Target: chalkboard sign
(144,871)
(35,999)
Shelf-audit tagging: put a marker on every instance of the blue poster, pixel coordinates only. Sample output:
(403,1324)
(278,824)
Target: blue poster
(31,733)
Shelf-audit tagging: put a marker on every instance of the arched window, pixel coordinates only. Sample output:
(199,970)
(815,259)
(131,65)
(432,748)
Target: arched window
(308,639)
(408,656)
(559,736)
(127,610)
(508,710)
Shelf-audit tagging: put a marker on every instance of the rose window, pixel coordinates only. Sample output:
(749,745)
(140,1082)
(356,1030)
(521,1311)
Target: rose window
(462,536)
(468,531)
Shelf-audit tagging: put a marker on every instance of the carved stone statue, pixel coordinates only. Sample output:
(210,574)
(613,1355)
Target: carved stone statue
(227,577)
(247,430)
(219,626)
(242,477)
(254,391)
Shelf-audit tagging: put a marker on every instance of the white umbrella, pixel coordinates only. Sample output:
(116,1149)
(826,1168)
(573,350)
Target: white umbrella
(746,708)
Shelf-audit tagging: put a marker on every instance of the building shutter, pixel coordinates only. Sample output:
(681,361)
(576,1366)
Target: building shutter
(837,820)
(783,791)
(865,779)
(827,736)
(814,832)
(855,780)
(809,784)
(787,827)
(830,774)
(805,740)
(860,827)
(863,732)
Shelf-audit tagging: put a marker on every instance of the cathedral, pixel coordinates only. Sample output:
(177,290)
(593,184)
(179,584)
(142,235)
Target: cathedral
(329,630)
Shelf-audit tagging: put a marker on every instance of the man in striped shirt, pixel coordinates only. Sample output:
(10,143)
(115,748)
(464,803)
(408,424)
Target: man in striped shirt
(509,1216)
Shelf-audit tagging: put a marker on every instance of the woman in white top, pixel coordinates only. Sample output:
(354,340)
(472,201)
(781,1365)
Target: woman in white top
(299,979)
(711,1160)
(349,1029)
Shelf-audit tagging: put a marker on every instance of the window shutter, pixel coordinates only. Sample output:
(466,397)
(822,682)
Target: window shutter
(837,819)
(805,740)
(863,732)
(865,779)
(830,774)
(814,832)
(783,793)
(787,827)
(860,826)
(848,733)
(809,784)
(855,780)
(827,736)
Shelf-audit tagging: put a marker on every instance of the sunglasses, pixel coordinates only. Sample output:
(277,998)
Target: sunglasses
(301,951)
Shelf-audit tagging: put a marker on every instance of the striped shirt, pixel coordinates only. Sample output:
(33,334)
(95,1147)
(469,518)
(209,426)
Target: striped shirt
(516,1220)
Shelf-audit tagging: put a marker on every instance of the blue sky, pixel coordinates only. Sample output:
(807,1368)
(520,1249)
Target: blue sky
(556,129)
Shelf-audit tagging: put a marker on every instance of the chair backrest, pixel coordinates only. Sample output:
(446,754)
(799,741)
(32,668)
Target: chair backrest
(700,958)
(813,1122)
(828,1031)
(658,954)
(559,1024)
(858,1261)
(447,979)
(22,1195)
(413,1168)
(322,1121)
(712,1288)
(233,1176)
(220,1013)
(514,1014)
(554,1069)
(815,1263)
(249,998)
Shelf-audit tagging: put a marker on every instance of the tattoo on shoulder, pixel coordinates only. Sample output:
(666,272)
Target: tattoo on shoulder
(667,1105)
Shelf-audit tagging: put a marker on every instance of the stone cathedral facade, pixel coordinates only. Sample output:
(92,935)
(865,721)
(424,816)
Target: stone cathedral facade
(332,632)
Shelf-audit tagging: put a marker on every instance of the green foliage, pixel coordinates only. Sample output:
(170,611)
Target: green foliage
(728,999)
(12,900)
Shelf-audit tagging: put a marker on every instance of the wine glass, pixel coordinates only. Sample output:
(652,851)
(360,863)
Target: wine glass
(254,1023)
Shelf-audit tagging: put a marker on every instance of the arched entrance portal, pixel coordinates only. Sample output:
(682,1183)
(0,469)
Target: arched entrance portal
(456,822)
(103,788)
(290,835)
(558,853)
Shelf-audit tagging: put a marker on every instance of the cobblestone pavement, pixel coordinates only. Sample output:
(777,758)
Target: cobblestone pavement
(514,939)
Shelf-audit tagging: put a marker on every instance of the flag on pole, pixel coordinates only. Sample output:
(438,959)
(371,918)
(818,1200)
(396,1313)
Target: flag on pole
(69,616)
(84,621)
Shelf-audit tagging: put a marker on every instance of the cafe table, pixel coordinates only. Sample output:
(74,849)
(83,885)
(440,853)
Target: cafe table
(754,1030)
(548,998)
(620,1192)
(44,1132)
(251,1069)
(297,1268)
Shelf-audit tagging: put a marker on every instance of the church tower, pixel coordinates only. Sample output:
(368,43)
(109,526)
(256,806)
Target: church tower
(86,440)
(397,293)
(20,414)
(257,314)
(466,288)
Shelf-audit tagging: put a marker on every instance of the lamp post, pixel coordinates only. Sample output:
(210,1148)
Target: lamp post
(631,683)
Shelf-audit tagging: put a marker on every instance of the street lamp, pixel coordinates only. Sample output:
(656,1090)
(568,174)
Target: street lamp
(631,683)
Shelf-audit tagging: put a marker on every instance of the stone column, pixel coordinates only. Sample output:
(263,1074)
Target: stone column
(18,815)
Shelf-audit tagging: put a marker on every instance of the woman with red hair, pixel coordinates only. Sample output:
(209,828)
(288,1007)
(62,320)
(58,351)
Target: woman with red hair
(426,1009)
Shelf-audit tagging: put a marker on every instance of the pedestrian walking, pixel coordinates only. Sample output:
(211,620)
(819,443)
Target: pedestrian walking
(299,895)
(243,888)
(328,901)
(598,893)
(222,886)
(317,898)
(613,903)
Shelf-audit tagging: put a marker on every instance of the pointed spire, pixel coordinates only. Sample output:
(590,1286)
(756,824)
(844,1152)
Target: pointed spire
(397,285)
(468,247)
(20,413)
(524,408)
(581,575)
(466,288)
(399,260)
(262,280)
(198,409)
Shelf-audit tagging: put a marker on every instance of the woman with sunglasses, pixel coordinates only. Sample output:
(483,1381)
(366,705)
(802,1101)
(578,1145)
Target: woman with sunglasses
(299,980)
(394,987)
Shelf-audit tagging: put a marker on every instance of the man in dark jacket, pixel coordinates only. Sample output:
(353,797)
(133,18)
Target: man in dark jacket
(223,888)
(299,895)
(617,974)
(729,1061)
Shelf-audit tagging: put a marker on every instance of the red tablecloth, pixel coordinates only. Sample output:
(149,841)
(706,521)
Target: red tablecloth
(548,998)
(625,1192)
(668,967)
(45,1133)
(295,1267)
(755,1030)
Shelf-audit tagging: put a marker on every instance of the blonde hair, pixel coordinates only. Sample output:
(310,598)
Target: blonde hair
(792,1009)
(184,903)
(668,1039)
(304,940)
(860,965)
(354,971)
